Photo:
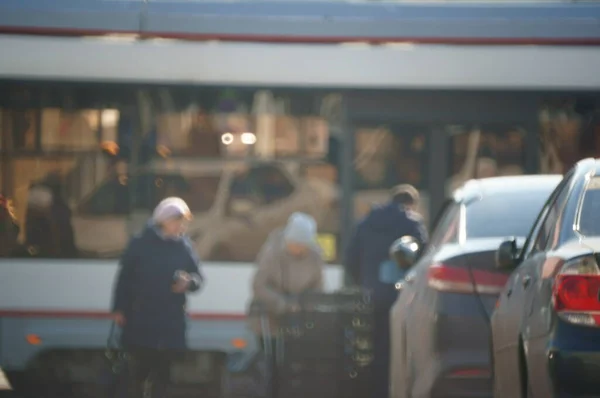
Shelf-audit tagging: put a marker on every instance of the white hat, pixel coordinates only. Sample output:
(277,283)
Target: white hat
(301,228)
(168,208)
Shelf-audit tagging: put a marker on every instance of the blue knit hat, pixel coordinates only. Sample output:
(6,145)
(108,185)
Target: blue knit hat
(301,228)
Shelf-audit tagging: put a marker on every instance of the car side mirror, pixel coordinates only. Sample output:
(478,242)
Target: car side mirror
(506,255)
(405,252)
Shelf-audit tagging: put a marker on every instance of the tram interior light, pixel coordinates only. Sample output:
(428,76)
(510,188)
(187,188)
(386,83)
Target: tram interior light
(110,118)
(245,138)
(248,138)
(227,139)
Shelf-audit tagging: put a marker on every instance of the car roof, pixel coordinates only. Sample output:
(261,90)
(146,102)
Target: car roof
(477,188)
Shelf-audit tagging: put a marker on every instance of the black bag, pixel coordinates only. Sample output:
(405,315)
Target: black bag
(113,376)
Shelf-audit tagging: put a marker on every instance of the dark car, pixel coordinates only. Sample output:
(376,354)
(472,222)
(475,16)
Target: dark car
(440,331)
(546,327)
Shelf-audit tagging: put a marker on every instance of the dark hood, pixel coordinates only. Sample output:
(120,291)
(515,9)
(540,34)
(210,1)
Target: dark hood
(389,219)
(151,232)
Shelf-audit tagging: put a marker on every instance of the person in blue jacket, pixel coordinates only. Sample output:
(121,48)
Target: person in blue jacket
(158,268)
(369,265)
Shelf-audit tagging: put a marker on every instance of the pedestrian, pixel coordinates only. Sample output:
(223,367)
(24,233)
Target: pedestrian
(158,268)
(367,257)
(289,264)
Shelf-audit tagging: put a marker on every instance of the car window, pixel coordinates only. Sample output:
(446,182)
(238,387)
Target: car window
(151,188)
(116,196)
(446,230)
(199,192)
(549,232)
(541,240)
(532,239)
(554,221)
(261,184)
(537,235)
(588,219)
(257,187)
(271,184)
(504,214)
(110,199)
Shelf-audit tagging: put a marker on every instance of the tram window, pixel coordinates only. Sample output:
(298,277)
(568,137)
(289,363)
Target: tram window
(485,152)
(177,138)
(56,170)
(569,131)
(243,197)
(238,125)
(385,157)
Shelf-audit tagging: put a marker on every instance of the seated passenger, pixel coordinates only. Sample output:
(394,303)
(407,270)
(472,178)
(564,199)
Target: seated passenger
(41,238)
(9,229)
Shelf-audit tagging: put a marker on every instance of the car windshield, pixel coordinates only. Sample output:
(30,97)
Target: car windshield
(505,214)
(589,214)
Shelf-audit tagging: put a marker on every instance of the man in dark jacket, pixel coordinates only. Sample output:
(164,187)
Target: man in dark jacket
(366,258)
(157,269)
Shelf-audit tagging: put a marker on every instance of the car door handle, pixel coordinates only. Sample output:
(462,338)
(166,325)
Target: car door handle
(526,281)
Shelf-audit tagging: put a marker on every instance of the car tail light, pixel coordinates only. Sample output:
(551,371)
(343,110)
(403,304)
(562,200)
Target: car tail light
(576,292)
(459,280)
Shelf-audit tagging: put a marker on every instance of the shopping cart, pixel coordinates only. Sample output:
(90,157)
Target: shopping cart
(322,350)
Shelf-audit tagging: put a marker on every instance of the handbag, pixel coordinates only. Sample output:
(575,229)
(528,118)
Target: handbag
(113,378)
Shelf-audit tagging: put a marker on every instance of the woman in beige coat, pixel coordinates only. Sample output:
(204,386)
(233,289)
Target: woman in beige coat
(289,264)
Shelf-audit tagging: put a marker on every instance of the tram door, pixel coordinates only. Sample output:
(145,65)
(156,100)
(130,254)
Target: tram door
(436,159)
(385,156)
